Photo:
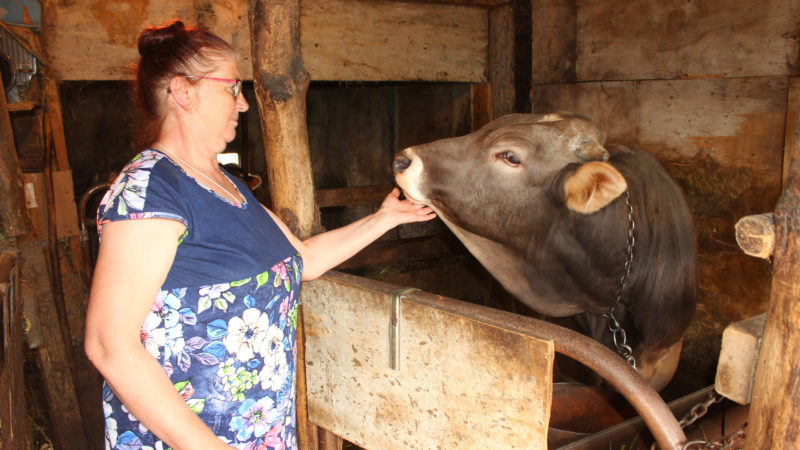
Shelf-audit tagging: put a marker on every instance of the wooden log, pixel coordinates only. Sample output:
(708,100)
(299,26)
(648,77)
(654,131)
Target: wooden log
(776,391)
(756,235)
(281,83)
(14,219)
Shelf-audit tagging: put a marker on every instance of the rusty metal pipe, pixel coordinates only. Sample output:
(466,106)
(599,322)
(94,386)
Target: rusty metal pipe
(644,399)
(86,251)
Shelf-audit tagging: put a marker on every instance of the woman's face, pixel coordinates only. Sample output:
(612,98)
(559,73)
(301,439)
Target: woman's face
(218,109)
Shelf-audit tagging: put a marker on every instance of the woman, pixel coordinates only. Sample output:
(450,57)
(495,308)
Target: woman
(193,306)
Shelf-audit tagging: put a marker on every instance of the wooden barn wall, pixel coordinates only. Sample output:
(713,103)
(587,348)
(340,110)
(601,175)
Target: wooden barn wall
(341,39)
(703,85)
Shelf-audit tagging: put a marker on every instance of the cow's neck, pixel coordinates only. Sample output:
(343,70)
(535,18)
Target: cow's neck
(508,267)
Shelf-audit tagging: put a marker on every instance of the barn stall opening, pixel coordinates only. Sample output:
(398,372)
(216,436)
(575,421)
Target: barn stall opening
(709,89)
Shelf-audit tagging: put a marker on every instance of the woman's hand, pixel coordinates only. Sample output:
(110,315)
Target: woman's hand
(404,211)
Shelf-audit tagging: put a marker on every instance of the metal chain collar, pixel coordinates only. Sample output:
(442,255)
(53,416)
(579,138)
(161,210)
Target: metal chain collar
(617,332)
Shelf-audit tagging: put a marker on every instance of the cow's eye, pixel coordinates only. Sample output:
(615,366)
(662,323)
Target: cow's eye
(509,158)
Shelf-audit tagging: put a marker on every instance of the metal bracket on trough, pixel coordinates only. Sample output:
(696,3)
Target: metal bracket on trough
(394,327)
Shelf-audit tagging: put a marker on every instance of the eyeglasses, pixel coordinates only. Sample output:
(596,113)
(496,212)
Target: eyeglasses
(237,84)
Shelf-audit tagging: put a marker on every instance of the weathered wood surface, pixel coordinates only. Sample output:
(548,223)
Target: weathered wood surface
(351,196)
(776,390)
(13,218)
(679,39)
(341,39)
(736,368)
(13,426)
(553,41)
(791,143)
(54,354)
(501,60)
(461,383)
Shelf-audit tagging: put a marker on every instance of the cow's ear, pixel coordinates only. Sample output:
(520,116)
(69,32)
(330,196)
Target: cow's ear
(593,186)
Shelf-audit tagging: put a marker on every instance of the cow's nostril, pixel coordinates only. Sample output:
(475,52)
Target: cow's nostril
(401,163)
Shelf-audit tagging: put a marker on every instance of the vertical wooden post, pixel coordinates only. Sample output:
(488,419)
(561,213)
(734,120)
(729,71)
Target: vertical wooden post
(281,83)
(773,413)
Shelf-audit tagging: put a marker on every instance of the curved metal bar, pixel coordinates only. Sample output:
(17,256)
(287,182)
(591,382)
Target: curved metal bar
(644,399)
(85,250)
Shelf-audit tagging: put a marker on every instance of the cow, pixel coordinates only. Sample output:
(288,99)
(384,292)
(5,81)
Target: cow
(570,226)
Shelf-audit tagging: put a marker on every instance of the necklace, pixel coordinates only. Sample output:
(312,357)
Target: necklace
(174,156)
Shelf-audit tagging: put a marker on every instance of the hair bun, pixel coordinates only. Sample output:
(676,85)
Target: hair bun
(151,38)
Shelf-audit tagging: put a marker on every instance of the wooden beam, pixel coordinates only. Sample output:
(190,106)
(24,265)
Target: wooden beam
(351,196)
(14,219)
(776,392)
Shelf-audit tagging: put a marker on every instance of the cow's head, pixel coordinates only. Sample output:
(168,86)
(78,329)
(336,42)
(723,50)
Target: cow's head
(536,199)
(507,169)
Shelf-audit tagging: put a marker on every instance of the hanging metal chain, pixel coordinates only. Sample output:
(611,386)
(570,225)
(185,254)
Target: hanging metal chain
(617,332)
(698,411)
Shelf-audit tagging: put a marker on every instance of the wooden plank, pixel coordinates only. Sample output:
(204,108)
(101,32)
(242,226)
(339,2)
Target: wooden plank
(13,425)
(64,200)
(678,39)
(482,108)
(340,39)
(350,196)
(554,41)
(736,369)
(460,381)
(501,60)
(776,391)
(54,354)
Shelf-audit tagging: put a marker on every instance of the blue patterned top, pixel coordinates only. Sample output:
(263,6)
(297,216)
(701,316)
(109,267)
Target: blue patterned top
(223,326)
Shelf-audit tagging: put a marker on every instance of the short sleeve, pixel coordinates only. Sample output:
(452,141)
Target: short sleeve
(144,189)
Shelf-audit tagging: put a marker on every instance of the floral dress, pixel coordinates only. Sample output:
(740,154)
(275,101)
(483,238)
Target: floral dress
(223,326)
